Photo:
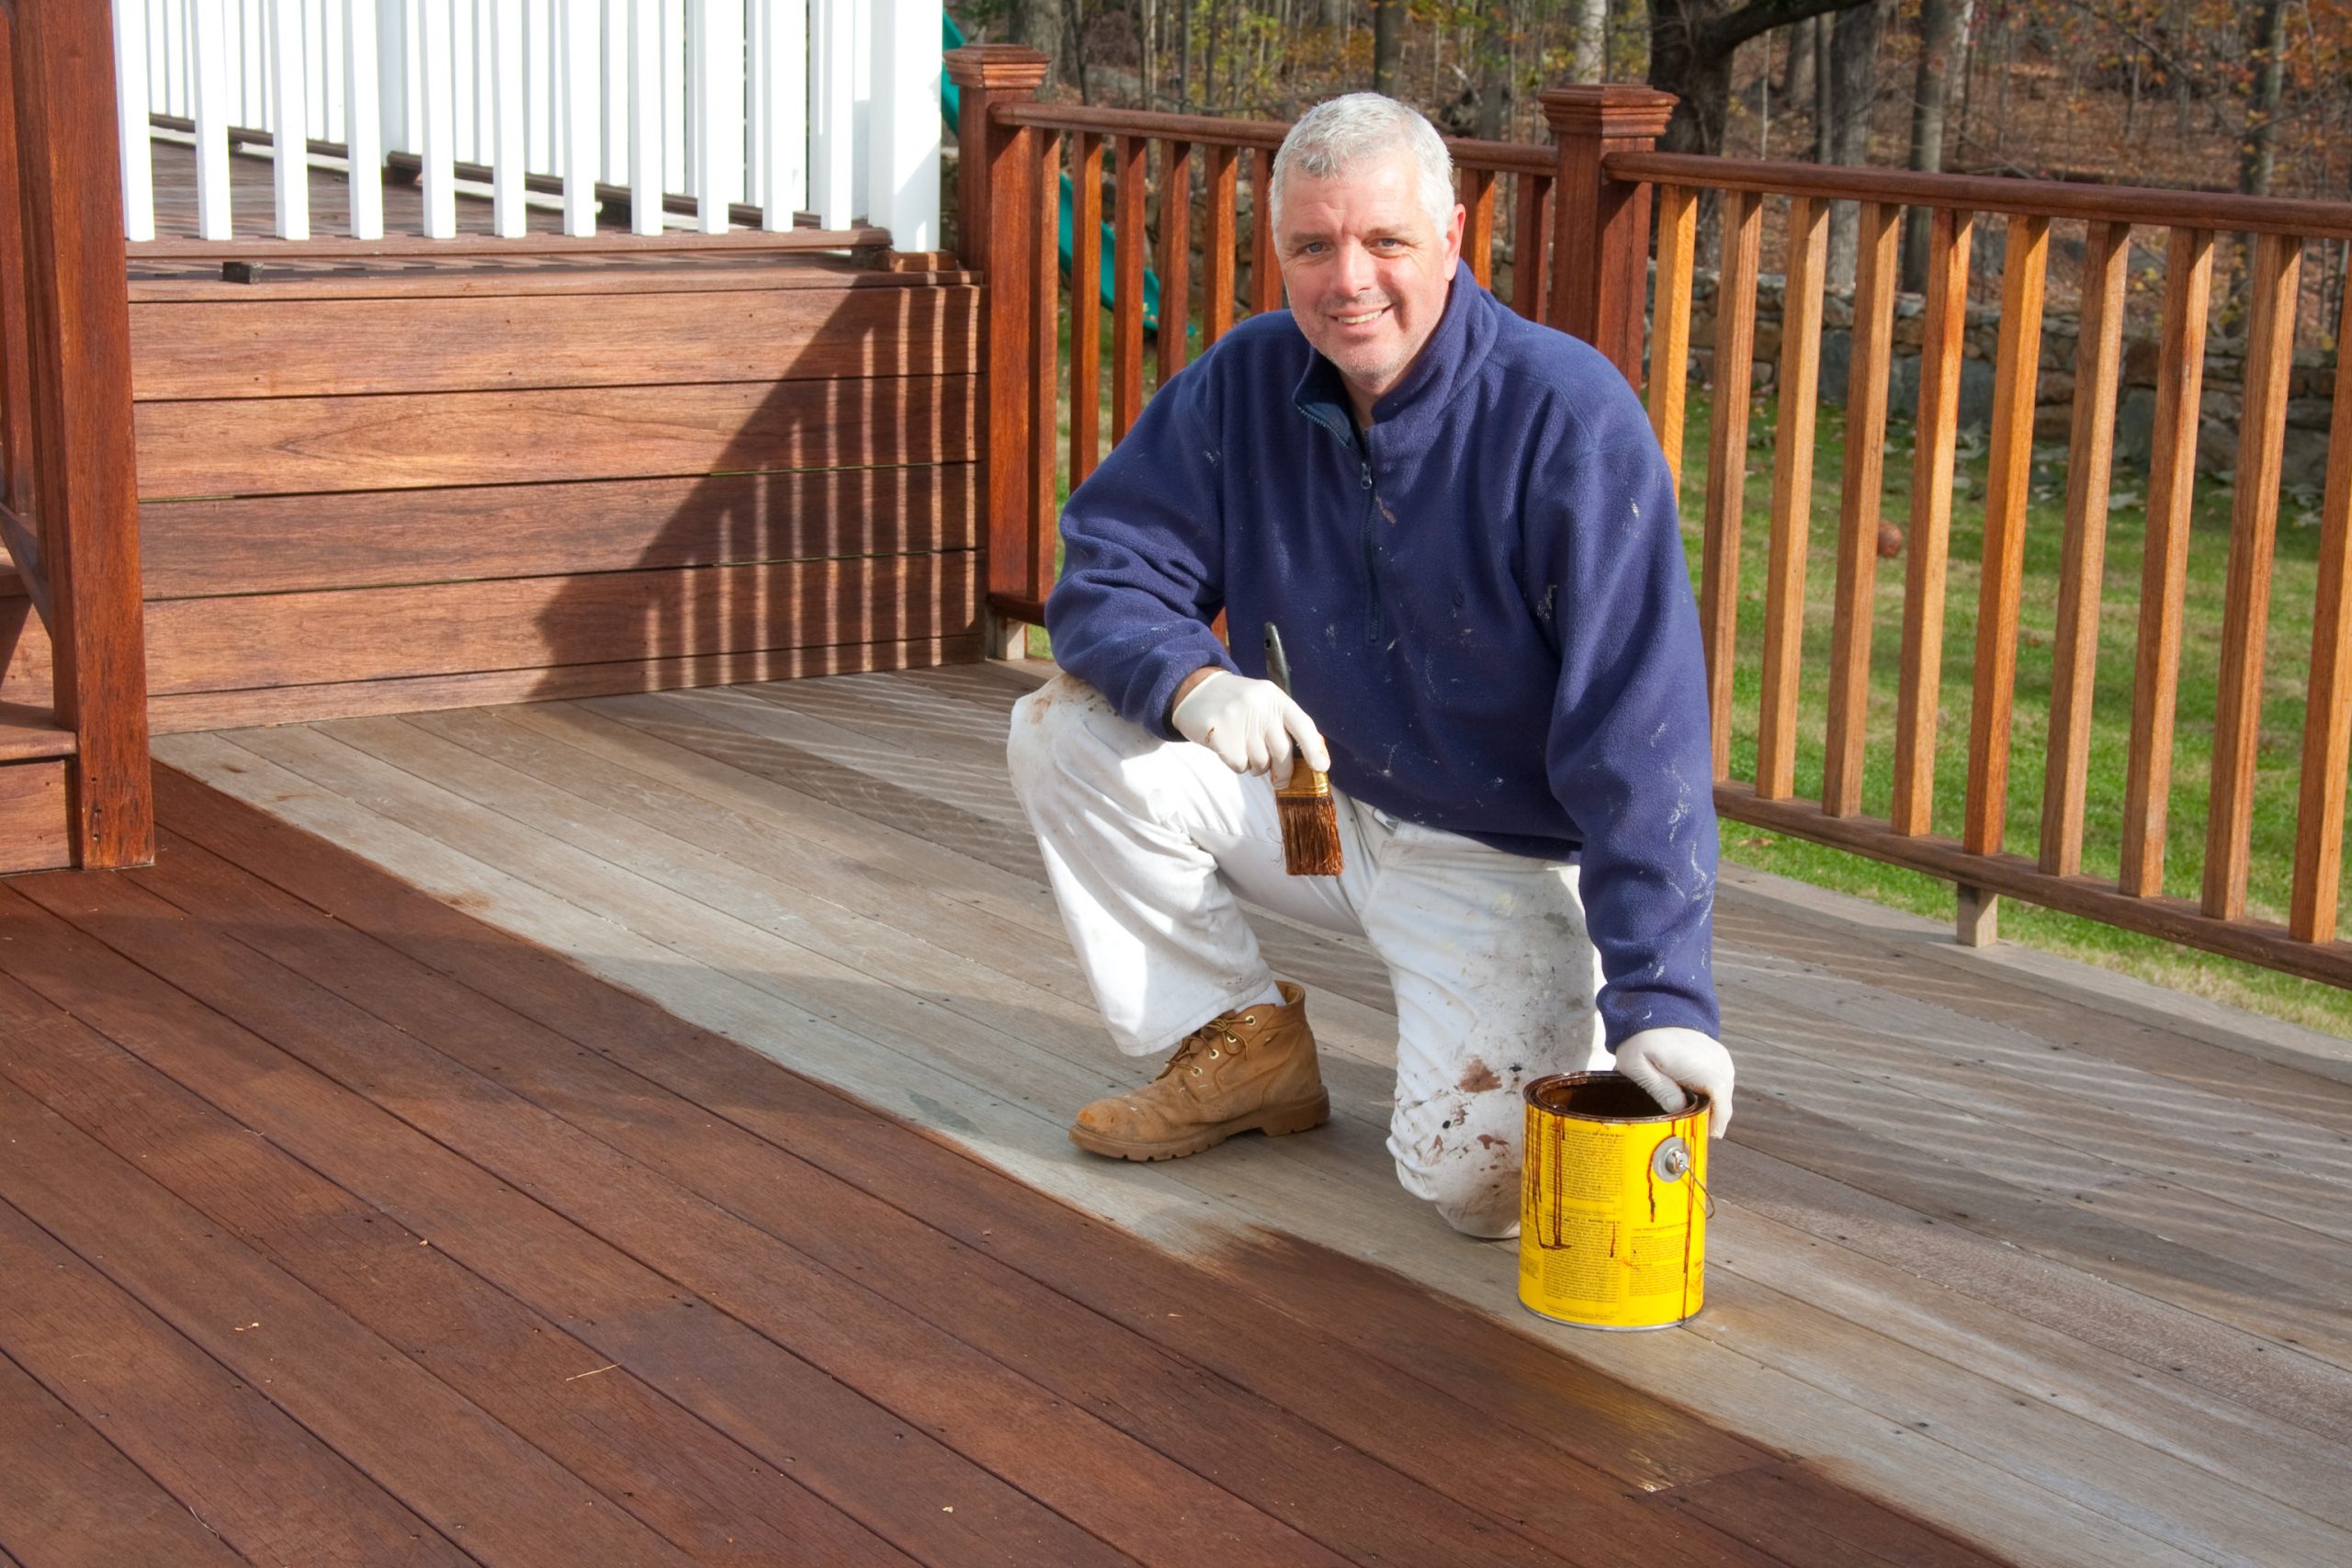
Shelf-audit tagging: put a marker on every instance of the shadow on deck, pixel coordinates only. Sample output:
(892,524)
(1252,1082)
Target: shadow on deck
(2051,1261)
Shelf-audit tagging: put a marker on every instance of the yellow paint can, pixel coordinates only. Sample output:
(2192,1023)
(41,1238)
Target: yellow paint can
(1612,1226)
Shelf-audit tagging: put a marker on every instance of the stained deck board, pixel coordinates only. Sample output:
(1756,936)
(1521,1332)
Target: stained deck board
(2159,1411)
(598,1241)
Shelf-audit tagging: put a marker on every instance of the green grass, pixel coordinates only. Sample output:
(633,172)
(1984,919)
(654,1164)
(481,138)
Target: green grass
(2278,768)
(2278,761)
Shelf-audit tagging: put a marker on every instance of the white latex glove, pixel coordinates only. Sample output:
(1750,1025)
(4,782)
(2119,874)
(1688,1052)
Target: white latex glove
(1252,725)
(1665,1060)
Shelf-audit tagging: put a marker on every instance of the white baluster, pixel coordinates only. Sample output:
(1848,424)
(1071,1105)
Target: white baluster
(538,85)
(783,98)
(717,98)
(209,21)
(612,72)
(861,92)
(678,126)
(440,124)
(508,159)
(392,34)
(645,123)
(130,77)
(317,97)
(582,99)
(904,119)
(290,153)
(363,115)
(831,56)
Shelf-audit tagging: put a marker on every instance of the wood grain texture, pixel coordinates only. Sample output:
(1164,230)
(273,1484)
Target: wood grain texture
(1042,386)
(195,550)
(1216,243)
(2098,357)
(486,278)
(16,328)
(1669,364)
(1175,257)
(2000,587)
(1265,271)
(1128,240)
(36,824)
(1861,498)
(1735,347)
(2164,569)
(306,347)
(1797,397)
(1531,240)
(1935,446)
(430,440)
(1475,188)
(2327,713)
(1086,310)
(2274,294)
(525,624)
(340,699)
(1008,441)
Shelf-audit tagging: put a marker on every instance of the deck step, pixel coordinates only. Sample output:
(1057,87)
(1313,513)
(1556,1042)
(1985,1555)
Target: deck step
(28,734)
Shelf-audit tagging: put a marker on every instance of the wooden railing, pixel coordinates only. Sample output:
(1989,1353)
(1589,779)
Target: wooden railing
(67,512)
(1587,199)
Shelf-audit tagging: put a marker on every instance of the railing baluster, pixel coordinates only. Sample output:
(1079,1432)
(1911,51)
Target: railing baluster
(2163,572)
(208,22)
(581,50)
(1216,258)
(363,117)
(2010,471)
(289,153)
(1735,350)
(1858,521)
(902,130)
(438,112)
(1175,256)
(1670,372)
(132,75)
(1530,231)
(1265,272)
(1776,729)
(1045,309)
(2099,357)
(16,326)
(832,42)
(646,128)
(2327,716)
(1950,235)
(1477,190)
(1086,310)
(1127,289)
(784,130)
(2245,611)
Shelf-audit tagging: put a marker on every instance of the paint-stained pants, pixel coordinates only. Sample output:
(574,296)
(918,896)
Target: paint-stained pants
(1151,844)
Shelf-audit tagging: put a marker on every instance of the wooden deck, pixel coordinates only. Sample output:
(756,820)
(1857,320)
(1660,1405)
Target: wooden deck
(2052,1261)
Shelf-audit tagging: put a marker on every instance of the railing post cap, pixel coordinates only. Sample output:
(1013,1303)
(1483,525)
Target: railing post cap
(998,67)
(1606,108)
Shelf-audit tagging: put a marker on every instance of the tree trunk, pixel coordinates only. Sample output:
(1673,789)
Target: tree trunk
(1941,22)
(2257,156)
(1387,44)
(1825,92)
(1853,69)
(1692,45)
(1592,42)
(1037,23)
(1797,76)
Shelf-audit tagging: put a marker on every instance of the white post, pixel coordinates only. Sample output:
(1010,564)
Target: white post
(507,160)
(678,126)
(209,22)
(904,120)
(130,79)
(645,126)
(440,124)
(831,60)
(291,151)
(784,100)
(582,99)
(363,109)
(716,29)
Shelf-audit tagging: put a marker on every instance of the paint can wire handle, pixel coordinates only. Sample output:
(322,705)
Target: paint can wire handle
(1671,1162)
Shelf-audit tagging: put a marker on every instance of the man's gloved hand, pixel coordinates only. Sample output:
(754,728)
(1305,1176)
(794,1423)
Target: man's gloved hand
(1666,1061)
(1252,725)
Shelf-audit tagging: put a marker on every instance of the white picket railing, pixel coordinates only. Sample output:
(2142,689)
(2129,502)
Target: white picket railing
(828,107)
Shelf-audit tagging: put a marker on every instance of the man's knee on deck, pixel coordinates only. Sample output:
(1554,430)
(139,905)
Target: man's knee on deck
(1462,1156)
(1053,730)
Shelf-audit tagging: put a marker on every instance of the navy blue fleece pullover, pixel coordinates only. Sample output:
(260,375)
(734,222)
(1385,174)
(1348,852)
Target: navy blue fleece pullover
(1483,597)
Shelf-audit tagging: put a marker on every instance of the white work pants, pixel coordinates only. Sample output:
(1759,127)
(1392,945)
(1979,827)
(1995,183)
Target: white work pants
(1151,843)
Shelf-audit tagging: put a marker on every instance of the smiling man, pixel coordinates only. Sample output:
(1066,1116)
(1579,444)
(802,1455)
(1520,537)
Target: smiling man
(1463,528)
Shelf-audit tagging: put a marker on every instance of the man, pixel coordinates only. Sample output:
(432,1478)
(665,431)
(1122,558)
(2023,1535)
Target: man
(1466,531)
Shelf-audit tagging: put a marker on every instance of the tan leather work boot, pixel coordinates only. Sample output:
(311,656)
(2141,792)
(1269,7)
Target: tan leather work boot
(1252,1070)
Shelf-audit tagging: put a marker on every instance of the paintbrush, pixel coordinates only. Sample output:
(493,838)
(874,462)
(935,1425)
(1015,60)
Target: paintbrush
(1309,817)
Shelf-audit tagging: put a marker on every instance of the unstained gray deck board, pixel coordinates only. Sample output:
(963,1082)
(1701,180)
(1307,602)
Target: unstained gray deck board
(2137,1397)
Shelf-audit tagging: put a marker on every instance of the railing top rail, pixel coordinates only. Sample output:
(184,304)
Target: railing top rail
(1507,157)
(1979,193)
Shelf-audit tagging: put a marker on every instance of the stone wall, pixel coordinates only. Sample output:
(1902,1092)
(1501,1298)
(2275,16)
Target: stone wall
(2309,405)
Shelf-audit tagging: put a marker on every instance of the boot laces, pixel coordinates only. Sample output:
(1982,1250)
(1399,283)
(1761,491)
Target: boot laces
(1216,1038)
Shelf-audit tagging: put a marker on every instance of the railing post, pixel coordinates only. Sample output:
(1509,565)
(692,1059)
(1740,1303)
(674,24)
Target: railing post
(85,490)
(1602,226)
(996,195)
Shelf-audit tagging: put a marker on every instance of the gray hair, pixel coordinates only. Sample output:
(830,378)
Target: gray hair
(1344,133)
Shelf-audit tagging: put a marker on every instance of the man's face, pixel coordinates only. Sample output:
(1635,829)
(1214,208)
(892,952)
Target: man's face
(1367,270)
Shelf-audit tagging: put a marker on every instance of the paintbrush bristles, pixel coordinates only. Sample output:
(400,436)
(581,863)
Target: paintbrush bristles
(1310,824)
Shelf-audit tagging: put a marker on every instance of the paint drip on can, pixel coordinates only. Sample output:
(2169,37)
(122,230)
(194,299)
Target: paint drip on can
(1613,1205)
